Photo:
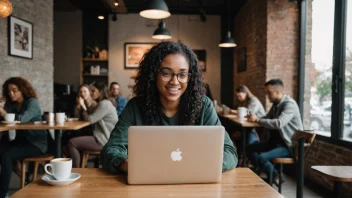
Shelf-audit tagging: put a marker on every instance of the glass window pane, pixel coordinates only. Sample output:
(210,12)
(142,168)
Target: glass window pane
(347,132)
(318,72)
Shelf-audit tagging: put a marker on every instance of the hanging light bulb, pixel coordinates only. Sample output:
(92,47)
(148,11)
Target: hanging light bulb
(162,33)
(5,8)
(228,41)
(155,9)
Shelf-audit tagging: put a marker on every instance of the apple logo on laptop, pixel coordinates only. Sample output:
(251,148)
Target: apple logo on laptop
(176,155)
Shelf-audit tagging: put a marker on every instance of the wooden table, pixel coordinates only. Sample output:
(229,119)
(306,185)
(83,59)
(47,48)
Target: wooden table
(243,124)
(94,183)
(338,174)
(74,125)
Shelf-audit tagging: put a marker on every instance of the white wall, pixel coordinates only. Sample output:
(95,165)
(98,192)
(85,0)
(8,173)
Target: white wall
(192,31)
(67,47)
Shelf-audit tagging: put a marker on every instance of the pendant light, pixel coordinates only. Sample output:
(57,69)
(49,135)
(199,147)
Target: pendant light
(155,9)
(228,41)
(5,8)
(162,33)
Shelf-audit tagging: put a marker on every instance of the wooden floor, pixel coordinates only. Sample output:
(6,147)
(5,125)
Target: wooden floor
(289,187)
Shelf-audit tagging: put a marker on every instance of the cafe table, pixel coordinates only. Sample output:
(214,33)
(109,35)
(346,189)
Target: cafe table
(69,125)
(94,183)
(338,174)
(244,125)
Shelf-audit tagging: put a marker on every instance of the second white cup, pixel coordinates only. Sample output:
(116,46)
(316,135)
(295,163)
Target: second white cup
(60,118)
(242,113)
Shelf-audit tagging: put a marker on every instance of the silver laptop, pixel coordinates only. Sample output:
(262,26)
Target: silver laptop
(175,154)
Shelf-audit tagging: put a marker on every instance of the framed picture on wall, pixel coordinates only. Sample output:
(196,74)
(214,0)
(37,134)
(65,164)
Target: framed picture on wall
(134,52)
(20,37)
(241,60)
(202,58)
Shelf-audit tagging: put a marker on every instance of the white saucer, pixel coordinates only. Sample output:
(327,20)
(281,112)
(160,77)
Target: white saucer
(52,181)
(10,123)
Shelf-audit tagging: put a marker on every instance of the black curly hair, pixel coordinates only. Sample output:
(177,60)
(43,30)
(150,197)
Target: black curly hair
(147,92)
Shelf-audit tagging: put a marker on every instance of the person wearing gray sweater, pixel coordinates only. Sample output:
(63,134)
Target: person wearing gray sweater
(103,119)
(282,121)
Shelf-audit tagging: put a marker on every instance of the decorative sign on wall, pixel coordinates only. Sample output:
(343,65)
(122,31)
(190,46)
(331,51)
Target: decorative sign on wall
(241,59)
(20,36)
(134,52)
(202,58)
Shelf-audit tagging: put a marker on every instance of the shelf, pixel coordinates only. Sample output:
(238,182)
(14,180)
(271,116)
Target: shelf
(93,59)
(103,75)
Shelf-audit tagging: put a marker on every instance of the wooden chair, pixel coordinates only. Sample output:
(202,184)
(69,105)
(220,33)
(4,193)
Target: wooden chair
(86,156)
(42,159)
(305,145)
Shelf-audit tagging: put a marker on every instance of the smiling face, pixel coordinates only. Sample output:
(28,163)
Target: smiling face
(169,87)
(241,96)
(95,93)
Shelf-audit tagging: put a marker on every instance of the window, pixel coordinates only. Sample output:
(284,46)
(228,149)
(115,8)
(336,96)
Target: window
(347,131)
(318,72)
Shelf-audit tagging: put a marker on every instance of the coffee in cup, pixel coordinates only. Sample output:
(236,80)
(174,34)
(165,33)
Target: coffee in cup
(60,168)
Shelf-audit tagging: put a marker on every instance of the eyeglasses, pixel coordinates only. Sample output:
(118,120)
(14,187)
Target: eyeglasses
(167,76)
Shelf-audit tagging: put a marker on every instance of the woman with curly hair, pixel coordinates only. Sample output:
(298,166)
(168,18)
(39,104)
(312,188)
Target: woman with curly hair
(169,90)
(21,100)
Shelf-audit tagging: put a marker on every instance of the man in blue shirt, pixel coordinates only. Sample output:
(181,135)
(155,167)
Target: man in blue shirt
(120,100)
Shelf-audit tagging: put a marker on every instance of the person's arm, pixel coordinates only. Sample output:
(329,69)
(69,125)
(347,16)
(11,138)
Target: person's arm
(99,113)
(256,108)
(114,154)
(284,118)
(32,111)
(230,158)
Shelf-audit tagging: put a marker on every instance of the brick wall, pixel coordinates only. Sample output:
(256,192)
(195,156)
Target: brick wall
(269,32)
(39,70)
(282,53)
(250,33)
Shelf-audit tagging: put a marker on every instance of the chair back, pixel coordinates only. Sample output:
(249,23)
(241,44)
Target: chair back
(309,137)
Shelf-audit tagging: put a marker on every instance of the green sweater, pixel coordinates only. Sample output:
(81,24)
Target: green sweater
(30,112)
(115,151)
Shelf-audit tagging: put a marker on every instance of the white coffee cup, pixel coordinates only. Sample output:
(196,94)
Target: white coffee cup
(60,168)
(9,117)
(60,118)
(242,113)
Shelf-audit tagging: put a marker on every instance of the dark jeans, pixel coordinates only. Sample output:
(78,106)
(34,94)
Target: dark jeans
(10,152)
(262,153)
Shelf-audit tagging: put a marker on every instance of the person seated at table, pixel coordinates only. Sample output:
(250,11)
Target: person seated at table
(21,100)
(251,102)
(169,90)
(282,120)
(120,100)
(103,118)
(85,103)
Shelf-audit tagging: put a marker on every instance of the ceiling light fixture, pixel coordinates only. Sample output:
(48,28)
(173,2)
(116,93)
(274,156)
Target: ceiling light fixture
(162,33)
(116,3)
(5,8)
(101,17)
(155,9)
(228,41)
